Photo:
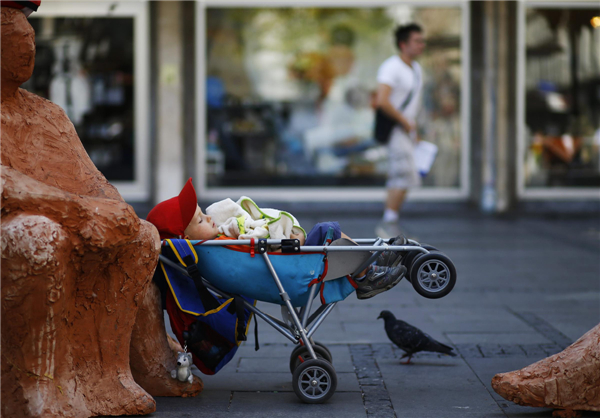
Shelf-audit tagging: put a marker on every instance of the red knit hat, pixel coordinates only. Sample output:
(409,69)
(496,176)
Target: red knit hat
(26,6)
(172,216)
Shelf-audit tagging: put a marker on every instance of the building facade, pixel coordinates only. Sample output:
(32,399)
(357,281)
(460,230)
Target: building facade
(274,101)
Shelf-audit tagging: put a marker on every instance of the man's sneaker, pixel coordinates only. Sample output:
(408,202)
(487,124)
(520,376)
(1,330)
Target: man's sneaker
(387,230)
(379,279)
(390,258)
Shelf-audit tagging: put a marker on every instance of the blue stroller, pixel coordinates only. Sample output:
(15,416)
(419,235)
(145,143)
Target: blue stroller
(292,277)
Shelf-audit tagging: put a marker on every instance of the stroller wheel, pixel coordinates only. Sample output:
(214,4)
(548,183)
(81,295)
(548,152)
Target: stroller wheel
(314,381)
(302,352)
(433,275)
(324,348)
(411,256)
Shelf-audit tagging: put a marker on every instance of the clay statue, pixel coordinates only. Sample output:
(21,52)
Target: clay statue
(568,381)
(76,265)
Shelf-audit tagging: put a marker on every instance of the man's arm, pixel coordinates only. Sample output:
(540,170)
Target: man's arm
(383,102)
(101,222)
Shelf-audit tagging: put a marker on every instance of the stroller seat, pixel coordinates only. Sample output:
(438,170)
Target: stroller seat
(244,273)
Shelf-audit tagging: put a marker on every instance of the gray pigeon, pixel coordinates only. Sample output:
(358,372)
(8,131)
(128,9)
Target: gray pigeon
(411,339)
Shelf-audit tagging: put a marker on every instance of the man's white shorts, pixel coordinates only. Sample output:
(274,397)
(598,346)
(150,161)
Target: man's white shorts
(402,173)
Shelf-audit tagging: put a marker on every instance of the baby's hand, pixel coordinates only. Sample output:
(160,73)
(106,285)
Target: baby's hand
(255,223)
(230,228)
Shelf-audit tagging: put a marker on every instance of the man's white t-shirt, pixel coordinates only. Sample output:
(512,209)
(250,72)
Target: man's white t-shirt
(401,78)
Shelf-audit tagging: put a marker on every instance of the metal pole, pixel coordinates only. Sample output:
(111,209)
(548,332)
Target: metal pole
(308,306)
(370,260)
(320,319)
(288,303)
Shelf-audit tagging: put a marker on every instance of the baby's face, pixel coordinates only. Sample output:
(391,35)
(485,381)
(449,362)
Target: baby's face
(201,227)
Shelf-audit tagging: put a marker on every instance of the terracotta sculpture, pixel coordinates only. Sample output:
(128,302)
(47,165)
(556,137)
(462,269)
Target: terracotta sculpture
(568,381)
(76,264)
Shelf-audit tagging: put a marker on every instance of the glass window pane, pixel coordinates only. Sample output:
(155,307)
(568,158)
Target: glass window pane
(289,94)
(85,65)
(562,98)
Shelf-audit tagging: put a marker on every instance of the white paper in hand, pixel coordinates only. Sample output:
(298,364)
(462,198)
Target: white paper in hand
(424,156)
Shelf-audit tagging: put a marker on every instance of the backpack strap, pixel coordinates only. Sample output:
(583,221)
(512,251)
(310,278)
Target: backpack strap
(238,307)
(208,300)
(256,346)
(187,255)
(412,92)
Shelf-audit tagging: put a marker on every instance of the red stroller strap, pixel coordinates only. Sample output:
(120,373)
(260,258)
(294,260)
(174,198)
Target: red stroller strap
(322,275)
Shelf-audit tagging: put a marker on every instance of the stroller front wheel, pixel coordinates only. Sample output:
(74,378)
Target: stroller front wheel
(314,381)
(433,275)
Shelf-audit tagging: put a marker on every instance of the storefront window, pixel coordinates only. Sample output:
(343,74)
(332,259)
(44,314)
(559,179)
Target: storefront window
(289,94)
(88,61)
(562,97)
(86,67)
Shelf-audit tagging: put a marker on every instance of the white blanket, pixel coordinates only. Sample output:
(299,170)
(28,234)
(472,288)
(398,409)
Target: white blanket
(244,220)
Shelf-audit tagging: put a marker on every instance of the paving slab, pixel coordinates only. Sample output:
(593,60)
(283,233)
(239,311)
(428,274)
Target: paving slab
(268,382)
(212,404)
(436,387)
(287,405)
(497,338)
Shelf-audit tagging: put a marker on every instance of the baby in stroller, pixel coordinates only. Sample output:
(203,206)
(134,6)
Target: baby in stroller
(182,217)
(328,263)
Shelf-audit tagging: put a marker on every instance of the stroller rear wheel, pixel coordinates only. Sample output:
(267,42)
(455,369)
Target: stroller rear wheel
(314,381)
(433,275)
(302,352)
(324,348)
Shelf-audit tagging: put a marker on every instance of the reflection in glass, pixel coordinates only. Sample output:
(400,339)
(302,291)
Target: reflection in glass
(289,94)
(85,65)
(562,98)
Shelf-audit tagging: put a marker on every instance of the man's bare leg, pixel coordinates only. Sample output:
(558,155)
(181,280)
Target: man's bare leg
(388,227)
(395,199)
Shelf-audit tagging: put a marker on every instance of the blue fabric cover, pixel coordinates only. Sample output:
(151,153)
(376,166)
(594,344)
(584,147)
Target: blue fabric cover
(318,234)
(239,273)
(338,289)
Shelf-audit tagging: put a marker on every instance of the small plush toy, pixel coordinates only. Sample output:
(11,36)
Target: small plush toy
(183,372)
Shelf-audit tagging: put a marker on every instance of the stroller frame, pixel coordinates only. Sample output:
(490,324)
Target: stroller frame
(312,369)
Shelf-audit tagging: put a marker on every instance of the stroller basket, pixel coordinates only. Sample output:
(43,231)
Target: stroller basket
(292,279)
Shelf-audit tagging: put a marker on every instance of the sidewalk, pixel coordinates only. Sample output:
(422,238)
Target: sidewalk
(526,289)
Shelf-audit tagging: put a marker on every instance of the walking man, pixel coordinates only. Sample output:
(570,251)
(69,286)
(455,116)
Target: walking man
(399,88)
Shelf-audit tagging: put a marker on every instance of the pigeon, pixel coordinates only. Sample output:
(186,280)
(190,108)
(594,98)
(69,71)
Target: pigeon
(411,339)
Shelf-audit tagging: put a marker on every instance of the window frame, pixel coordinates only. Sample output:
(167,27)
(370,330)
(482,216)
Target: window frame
(539,193)
(139,188)
(349,194)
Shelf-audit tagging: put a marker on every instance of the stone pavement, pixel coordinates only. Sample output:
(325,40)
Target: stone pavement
(526,289)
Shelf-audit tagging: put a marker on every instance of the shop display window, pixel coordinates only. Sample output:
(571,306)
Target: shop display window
(561,97)
(92,60)
(85,65)
(290,93)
